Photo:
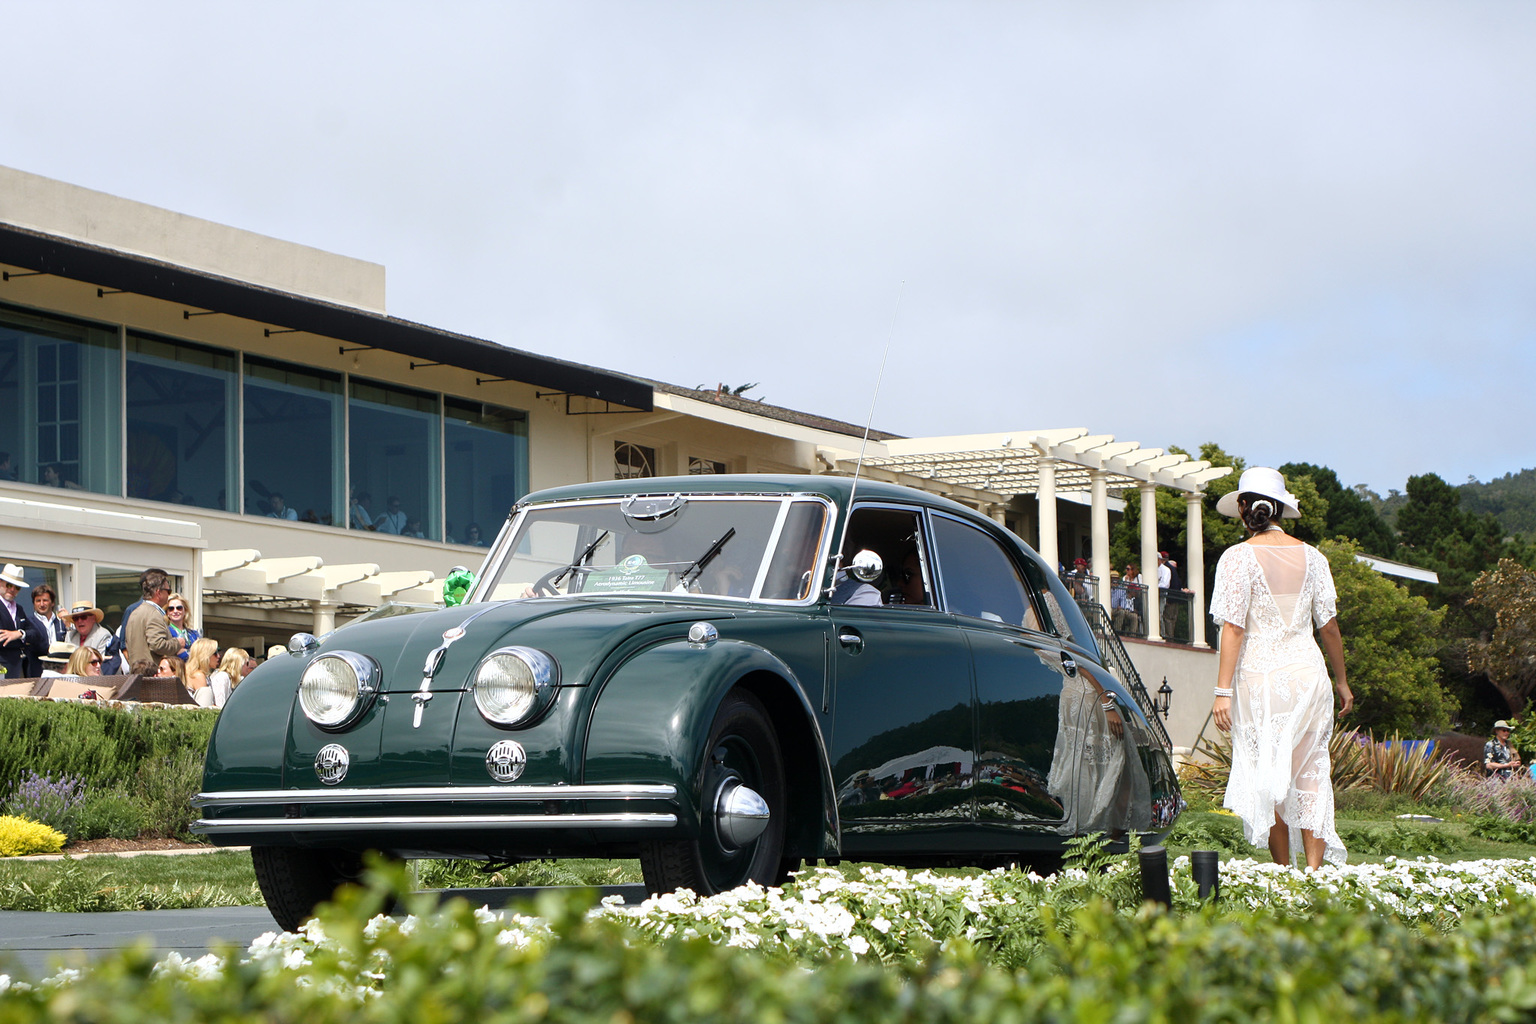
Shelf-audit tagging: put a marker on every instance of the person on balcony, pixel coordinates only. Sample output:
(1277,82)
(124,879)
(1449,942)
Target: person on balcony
(1122,604)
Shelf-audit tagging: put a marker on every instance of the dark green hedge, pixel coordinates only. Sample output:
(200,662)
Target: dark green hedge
(104,746)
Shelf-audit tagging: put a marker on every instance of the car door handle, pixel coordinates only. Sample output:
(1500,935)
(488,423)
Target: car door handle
(1068,665)
(851,639)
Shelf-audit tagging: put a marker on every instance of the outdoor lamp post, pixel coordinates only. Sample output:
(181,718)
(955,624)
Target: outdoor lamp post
(1164,697)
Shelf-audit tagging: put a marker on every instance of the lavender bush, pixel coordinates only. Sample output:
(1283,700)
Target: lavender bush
(42,798)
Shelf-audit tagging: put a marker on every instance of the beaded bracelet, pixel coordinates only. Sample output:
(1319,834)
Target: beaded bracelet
(1223,691)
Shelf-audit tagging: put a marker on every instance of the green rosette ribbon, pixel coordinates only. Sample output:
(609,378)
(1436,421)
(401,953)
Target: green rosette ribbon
(457,586)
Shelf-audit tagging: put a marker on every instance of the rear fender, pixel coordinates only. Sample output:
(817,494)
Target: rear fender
(651,721)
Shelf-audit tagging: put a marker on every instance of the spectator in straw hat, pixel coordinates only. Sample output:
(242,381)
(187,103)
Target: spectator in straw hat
(85,628)
(56,661)
(1499,758)
(20,637)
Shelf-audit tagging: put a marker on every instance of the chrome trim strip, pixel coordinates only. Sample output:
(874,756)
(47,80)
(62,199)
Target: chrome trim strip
(472,822)
(496,794)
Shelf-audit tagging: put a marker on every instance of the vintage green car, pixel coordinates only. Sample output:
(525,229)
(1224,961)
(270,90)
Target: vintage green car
(722,675)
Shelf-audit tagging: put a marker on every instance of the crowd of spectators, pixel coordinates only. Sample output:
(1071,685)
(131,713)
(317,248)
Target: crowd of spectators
(157,638)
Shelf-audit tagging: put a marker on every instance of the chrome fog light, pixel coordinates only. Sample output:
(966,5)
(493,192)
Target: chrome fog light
(515,685)
(337,688)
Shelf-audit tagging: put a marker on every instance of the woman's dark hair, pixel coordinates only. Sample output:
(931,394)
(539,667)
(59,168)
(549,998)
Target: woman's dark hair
(1258,510)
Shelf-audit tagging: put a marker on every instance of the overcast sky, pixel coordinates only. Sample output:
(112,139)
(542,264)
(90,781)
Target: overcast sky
(1304,231)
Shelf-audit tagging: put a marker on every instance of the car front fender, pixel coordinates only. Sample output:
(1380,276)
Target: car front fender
(651,720)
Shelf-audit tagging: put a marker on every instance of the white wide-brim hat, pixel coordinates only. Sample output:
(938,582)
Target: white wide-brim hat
(1260,480)
(12,574)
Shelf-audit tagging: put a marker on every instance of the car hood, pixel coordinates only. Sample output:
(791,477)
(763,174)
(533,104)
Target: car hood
(578,632)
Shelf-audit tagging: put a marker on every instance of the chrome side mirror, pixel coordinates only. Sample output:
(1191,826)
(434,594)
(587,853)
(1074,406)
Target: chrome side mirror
(302,643)
(866,566)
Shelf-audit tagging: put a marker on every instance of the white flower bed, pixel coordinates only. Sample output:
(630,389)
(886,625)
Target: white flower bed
(887,910)
(890,913)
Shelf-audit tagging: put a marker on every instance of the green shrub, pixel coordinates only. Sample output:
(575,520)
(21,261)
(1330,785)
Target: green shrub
(101,745)
(109,815)
(1220,832)
(22,838)
(1499,829)
(166,786)
(1400,839)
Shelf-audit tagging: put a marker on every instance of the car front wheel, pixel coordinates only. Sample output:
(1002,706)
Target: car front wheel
(295,880)
(742,809)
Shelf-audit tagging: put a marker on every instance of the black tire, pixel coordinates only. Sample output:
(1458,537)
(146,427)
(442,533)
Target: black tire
(741,743)
(295,880)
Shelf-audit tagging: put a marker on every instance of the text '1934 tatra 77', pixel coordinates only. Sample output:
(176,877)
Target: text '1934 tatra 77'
(724,676)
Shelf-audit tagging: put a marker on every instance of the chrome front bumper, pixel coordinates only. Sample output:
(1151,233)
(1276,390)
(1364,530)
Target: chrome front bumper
(299,800)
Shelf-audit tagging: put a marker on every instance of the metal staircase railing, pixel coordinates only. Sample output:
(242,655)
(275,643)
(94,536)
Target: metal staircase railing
(1119,662)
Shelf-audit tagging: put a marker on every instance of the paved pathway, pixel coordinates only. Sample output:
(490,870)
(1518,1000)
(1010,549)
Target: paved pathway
(32,944)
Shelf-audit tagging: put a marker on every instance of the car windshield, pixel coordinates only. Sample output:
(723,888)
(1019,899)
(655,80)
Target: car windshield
(737,546)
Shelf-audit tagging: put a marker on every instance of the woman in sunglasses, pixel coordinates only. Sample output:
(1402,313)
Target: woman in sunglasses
(86,661)
(178,617)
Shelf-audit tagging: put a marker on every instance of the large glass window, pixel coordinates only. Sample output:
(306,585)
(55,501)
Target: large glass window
(60,395)
(293,431)
(394,454)
(486,449)
(181,423)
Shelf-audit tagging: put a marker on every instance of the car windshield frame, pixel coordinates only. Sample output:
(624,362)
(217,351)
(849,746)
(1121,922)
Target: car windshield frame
(498,559)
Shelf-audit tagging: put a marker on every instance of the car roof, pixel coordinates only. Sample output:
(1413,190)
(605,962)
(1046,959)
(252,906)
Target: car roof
(837,488)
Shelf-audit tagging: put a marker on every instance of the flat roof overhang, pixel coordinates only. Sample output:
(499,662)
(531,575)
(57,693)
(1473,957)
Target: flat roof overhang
(110,268)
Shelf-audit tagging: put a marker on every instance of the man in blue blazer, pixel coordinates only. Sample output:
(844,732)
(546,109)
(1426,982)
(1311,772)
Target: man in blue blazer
(20,637)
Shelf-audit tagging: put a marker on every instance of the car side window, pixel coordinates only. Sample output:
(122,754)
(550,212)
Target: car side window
(895,534)
(980,580)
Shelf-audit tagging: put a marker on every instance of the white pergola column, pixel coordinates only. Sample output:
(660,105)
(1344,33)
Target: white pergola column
(325,617)
(1194,561)
(1045,496)
(1149,560)
(1099,511)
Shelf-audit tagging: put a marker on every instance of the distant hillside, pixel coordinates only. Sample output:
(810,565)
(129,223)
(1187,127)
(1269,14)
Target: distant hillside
(1511,499)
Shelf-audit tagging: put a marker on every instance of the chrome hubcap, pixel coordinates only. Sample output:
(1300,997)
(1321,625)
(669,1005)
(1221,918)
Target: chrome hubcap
(741,814)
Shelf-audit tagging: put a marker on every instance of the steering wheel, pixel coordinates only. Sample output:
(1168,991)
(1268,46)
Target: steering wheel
(545,585)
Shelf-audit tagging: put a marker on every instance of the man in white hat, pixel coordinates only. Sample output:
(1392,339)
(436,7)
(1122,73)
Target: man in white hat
(85,628)
(20,637)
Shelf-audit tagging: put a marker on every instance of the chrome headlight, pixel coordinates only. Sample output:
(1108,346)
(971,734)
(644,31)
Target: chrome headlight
(337,688)
(515,685)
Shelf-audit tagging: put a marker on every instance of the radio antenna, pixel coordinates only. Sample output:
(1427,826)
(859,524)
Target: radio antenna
(858,467)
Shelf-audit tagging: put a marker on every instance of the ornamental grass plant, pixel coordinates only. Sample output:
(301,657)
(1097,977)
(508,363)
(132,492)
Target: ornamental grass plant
(1359,761)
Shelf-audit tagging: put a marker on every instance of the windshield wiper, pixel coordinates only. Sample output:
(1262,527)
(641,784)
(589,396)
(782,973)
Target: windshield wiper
(585,557)
(692,573)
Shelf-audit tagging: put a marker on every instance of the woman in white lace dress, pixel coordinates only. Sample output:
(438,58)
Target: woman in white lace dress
(1272,688)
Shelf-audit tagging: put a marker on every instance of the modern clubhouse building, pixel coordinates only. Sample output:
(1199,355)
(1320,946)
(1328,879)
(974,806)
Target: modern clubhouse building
(243,413)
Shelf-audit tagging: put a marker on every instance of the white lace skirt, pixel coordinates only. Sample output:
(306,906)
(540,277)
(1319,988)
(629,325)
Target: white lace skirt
(1281,723)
